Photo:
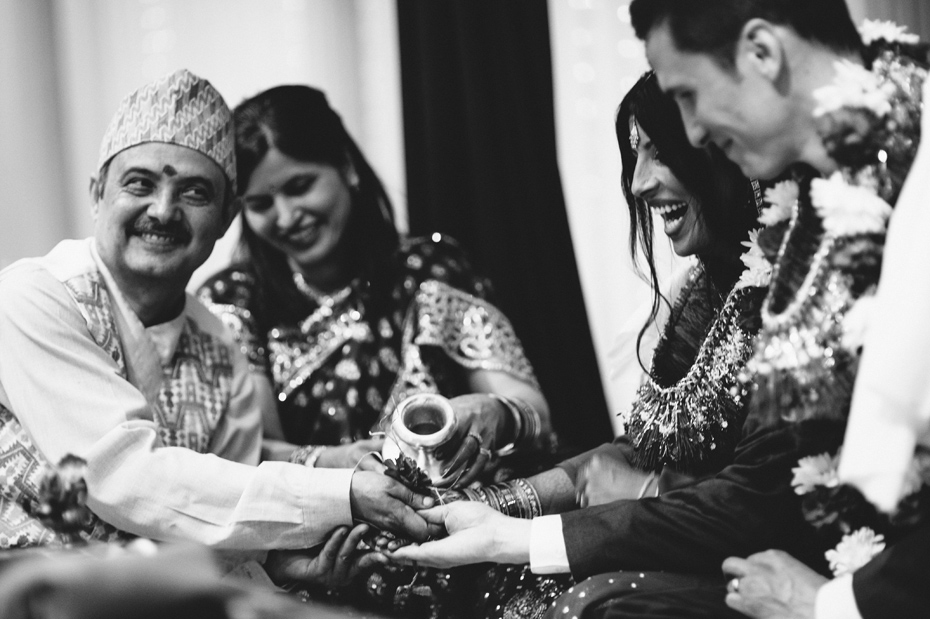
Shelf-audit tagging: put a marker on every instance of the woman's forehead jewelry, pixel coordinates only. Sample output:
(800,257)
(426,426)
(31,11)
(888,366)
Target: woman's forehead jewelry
(634,135)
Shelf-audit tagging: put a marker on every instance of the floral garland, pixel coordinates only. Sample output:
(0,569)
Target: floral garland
(869,120)
(682,425)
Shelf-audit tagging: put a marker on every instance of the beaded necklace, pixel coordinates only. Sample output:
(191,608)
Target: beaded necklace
(683,424)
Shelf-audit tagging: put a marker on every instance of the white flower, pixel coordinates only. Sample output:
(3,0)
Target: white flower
(846,209)
(873,30)
(854,551)
(856,322)
(781,198)
(758,271)
(853,87)
(815,471)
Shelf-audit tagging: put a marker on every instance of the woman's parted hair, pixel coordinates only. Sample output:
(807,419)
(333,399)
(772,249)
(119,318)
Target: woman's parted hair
(298,122)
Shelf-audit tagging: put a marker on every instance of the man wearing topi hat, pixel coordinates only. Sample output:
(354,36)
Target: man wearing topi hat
(104,356)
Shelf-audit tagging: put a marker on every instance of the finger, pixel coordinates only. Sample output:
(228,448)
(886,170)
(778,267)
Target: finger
(430,554)
(468,449)
(581,487)
(404,555)
(327,557)
(583,499)
(371,444)
(484,455)
(736,567)
(453,443)
(354,538)
(346,557)
(394,544)
(737,603)
(436,515)
(405,522)
(369,560)
(435,531)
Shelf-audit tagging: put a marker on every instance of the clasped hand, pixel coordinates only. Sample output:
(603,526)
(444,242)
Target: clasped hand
(476,533)
(340,559)
(378,502)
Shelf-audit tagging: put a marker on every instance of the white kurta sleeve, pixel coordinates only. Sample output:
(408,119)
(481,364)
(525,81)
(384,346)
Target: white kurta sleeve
(68,394)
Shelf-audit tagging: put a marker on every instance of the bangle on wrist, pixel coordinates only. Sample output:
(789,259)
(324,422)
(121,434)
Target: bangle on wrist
(510,447)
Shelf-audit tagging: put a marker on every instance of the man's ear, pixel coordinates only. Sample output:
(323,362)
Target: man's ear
(95,190)
(760,49)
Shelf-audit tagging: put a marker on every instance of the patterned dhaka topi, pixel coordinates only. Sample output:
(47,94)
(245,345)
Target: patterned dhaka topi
(180,108)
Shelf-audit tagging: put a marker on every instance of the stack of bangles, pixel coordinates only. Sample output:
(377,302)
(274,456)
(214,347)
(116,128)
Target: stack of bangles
(307,455)
(516,498)
(526,422)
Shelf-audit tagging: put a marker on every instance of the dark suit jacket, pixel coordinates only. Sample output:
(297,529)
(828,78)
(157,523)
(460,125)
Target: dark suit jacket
(896,583)
(748,507)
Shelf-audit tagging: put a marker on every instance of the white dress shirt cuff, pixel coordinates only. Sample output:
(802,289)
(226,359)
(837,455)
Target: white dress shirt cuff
(547,546)
(835,600)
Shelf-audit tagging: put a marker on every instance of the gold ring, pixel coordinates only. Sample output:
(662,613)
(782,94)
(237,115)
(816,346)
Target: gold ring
(733,585)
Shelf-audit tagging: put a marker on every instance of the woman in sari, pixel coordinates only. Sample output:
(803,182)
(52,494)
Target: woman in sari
(688,414)
(342,318)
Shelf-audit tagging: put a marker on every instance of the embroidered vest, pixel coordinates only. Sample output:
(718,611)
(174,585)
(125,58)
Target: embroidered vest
(195,393)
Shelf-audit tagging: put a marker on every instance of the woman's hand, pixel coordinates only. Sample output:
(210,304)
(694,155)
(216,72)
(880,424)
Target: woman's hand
(335,565)
(349,455)
(481,421)
(477,533)
(608,478)
(772,585)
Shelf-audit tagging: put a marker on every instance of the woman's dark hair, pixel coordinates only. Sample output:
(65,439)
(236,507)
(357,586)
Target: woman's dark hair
(714,26)
(298,122)
(726,196)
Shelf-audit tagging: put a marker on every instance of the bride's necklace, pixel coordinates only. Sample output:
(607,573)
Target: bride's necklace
(683,424)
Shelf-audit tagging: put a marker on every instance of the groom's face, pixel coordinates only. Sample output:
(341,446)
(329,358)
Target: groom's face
(737,108)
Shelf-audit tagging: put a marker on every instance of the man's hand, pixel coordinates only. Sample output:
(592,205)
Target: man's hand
(772,585)
(388,505)
(335,565)
(477,533)
(349,455)
(480,421)
(606,478)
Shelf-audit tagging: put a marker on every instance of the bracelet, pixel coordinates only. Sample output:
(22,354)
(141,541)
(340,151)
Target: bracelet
(307,455)
(510,447)
(530,424)
(516,498)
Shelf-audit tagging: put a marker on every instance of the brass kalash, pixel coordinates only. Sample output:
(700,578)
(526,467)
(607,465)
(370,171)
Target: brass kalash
(419,426)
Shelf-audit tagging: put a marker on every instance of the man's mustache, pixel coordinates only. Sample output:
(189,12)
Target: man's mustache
(148,225)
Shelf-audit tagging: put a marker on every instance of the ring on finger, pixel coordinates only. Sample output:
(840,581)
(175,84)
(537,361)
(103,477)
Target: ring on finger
(475,436)
(484,451)
(733,585)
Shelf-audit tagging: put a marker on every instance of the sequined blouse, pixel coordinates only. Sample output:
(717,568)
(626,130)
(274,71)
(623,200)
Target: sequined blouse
(342,368)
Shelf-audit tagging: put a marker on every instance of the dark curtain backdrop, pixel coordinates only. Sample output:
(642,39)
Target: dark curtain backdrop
(481,166)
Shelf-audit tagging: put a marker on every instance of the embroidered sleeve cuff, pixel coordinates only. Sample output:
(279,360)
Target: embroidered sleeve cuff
(547,546)
(835,600)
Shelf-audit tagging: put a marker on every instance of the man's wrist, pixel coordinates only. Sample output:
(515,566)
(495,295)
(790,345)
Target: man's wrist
(512,540)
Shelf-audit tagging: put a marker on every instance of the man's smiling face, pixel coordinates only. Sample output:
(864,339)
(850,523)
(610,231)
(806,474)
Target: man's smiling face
(159,213)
